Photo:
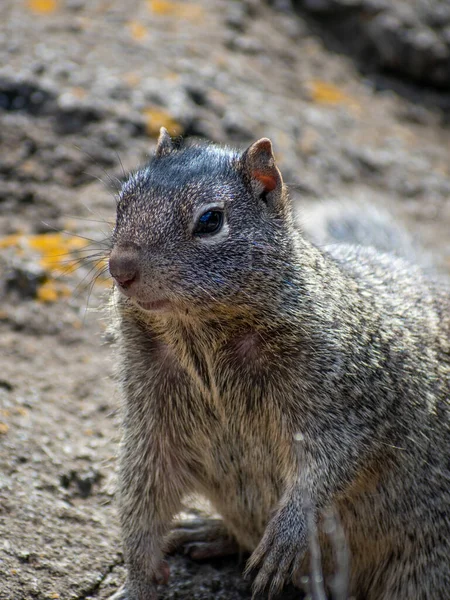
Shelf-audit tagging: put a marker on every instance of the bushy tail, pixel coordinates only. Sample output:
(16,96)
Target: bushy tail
(360,224)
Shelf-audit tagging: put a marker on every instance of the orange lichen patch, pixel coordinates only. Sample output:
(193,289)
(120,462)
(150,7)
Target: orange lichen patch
(78,92)
(43,6)
(10,240)
(172,76)
(3,428)
(132,79)
(183,10)
(328,93)
(57,255)
(137,31)
(156,117)
(51,291)
(28,166)
(55,250)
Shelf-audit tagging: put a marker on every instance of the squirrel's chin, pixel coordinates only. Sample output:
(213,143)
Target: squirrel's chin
(156,305)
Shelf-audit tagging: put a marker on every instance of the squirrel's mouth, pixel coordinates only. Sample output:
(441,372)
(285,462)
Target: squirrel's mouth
(156,305)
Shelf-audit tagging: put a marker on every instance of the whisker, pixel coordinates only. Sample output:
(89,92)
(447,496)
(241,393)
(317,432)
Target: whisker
(105,241)
(95,212)
(110,178)
(90,288)
(124,174)
(81,285)
(76,217)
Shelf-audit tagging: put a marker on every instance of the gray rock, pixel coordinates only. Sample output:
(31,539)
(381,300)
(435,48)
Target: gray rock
(24,281)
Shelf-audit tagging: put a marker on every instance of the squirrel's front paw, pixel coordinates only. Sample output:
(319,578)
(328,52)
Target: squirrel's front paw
(279,552)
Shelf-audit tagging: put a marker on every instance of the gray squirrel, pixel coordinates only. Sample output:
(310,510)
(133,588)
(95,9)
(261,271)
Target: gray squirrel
(277,379)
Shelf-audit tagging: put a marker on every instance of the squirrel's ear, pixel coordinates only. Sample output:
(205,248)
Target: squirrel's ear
(259,165)
(164,145)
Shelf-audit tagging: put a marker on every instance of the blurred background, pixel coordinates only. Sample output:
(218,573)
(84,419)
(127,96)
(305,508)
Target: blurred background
(355,95)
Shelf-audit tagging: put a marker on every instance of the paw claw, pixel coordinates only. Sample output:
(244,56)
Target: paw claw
(250,567)
(260,583)
(255,561)
(276,585)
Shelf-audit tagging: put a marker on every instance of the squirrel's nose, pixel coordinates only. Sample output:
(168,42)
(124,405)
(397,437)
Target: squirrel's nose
(123,266)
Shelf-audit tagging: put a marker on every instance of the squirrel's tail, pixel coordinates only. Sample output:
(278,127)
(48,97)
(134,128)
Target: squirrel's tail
(359,224)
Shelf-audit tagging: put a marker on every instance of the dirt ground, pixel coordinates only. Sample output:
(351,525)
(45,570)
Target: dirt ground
(84,88)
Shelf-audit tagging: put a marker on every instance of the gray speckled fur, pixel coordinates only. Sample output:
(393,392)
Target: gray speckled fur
(270,337)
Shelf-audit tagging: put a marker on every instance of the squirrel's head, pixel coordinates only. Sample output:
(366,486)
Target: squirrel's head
(202,225)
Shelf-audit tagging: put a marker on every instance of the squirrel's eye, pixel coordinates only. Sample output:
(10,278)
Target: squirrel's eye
(209,222)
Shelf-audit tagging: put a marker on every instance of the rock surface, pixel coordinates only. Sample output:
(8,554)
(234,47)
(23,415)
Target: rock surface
(84,88)
(410,38)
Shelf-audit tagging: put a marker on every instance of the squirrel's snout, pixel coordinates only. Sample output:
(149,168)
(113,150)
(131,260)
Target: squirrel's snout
(124,267)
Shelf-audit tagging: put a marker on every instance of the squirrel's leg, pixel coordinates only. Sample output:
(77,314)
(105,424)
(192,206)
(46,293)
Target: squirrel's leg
(326,465)
(153,473)
(151,488)
(282,546)
(202,538)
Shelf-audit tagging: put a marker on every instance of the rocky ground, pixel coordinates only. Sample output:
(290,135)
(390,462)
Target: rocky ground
(355,95)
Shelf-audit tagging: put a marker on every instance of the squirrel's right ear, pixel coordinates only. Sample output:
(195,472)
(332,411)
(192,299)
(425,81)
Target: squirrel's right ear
(165,144)
(259,165)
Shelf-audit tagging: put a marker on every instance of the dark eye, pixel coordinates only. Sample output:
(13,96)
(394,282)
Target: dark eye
(209,222)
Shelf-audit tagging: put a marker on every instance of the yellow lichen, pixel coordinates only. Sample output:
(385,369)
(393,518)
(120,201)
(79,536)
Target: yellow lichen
(11,240)
(156,117)
(132,79)
(47,292)
(78,92)
(328,93)
(183,10)
(51,291)
(172,76)
(56,250)
(3,428)
(56,253)
(137,31)
(43,6)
